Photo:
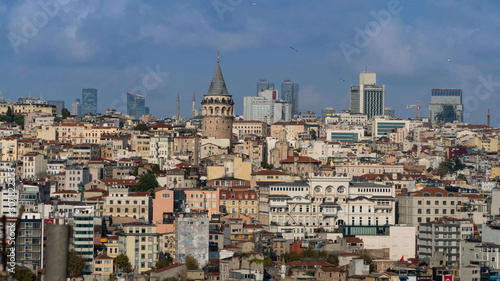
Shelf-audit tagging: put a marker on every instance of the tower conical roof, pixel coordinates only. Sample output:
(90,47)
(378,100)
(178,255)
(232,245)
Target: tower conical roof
(218,86)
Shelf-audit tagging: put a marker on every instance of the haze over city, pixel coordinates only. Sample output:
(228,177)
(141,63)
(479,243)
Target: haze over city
(112,45)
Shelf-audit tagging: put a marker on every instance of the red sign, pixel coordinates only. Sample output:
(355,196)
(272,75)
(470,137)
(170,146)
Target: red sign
(274,95)
(49,221)
(448,277)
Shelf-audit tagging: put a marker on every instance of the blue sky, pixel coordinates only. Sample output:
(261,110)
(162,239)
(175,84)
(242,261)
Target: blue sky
(413,46)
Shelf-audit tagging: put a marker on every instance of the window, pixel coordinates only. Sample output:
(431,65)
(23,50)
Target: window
(419,211)
(419,202)
(428,211)
(436,211)
(428,202)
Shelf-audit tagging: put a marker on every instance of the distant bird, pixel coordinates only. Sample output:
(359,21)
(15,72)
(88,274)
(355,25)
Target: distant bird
(342,79)
(449,60)
(255,4)
(294,49)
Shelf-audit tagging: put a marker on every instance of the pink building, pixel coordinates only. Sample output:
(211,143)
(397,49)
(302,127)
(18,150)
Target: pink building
(163,208)
(203,199)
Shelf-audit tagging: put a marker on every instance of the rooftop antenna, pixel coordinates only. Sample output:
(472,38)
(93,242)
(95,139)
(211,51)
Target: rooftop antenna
(489,116)
(366,68)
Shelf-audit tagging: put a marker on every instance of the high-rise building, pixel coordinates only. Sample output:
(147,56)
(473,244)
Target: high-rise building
(446,105)
(328,112)
(290,93)
(136,105)
(368,98)
(266,108)
(89,101)
(390,112)
(217,108)
(59,105)
(263,85)
(76,108)
(84,234)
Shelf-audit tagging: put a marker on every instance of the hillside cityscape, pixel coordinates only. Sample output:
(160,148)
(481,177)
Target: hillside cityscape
(230,140)
(273,194)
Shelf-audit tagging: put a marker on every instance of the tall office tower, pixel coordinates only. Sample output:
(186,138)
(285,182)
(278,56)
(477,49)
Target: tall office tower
(290,93)
(84,234)
(89,101)
(266,108)
(368,98)
(446,105)
(217,108)
(59,105)
(136,105)
(76,108)
(263,85)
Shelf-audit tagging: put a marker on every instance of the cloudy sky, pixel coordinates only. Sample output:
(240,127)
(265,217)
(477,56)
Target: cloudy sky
(159,48)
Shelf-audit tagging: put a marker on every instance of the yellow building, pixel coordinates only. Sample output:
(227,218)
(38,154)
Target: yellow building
(495,172)
(139,241)
(103,265)
(485,143)
(25,108)
(240,200)
(241,169)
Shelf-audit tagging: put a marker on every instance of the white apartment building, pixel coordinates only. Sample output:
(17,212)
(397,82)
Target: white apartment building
(327,202)
(34,166)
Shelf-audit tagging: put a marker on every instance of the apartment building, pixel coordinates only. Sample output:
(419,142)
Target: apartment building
(426,205)
(121,203)
(139,241)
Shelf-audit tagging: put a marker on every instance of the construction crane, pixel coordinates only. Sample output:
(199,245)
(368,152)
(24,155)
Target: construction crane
(417,107)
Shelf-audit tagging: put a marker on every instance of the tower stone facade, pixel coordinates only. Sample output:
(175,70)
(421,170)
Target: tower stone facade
(217,109)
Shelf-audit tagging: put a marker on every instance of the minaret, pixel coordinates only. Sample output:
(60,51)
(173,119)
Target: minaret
(217,108)
(177,116)
(193,113)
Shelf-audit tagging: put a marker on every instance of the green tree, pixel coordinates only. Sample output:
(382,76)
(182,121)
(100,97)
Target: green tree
(23,274)
(65,113)
(146,182)
(123,263)
(311,272)
(141,127)
(191,263)
(266,165)
(113,278)
(313,134)
(9,114)
(368,258)
(76,263)
(161,264)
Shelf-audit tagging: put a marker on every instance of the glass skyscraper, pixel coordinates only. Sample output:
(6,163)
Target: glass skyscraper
(263,85)
(136,105)
(89,101)
(446,105)
(290,93)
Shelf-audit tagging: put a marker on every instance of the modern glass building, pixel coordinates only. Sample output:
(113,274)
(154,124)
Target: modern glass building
(382,126)
(89,101)
(368,98)
(446,105)
(136,105)
(59,105)
(76,108)
(263,85)
(290,93)
(344,136)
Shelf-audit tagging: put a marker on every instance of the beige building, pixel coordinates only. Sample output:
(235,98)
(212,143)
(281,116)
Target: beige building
(137,205)
(293,129)
(356,170)
(103,265)
(232,167)
(25,108)
(244,128)
(139,241)
(141,145)
(426,205)
(488,144)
